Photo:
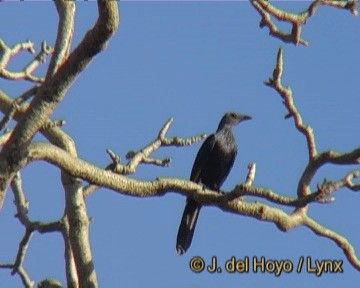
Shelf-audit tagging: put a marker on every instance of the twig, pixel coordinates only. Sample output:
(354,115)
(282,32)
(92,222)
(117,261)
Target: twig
(27,282)
(27,73)
(250,177)
(266,10)
(23,245)
(52,124)
(143,156)
(348,181)
(16,106)
(293,37)
(22,208)
(286,95)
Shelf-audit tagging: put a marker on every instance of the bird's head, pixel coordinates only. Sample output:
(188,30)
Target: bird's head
(232,119)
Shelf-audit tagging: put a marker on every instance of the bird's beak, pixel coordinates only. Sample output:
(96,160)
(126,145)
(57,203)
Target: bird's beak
(245,117)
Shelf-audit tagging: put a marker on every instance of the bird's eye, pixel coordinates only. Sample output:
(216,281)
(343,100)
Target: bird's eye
(233,115)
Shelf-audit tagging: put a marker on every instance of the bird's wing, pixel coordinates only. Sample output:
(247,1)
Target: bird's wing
(202,157)
(226,172)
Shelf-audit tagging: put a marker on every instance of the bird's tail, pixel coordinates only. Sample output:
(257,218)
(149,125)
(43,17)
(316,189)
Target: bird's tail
(187,226)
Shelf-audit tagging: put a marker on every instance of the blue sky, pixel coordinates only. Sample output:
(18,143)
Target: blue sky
(193,61)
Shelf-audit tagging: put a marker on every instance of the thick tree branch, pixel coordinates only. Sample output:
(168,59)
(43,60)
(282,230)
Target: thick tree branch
(51,93)
(57,137)
(161,186)
(66,11)
(15,107)
(79,231)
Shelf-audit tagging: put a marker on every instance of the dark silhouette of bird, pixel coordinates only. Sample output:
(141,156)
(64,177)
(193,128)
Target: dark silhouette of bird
(212,165)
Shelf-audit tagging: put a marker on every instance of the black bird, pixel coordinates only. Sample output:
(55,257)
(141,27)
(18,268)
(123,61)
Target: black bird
(211,167)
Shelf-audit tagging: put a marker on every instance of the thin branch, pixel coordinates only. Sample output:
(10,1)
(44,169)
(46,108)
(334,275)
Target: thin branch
(340,241)
(70,266)
(23,245)
(328,187)
(27,282)
(267,10)
(52,124)
(286,95)
(16,106)
(22,207)
(293,37)
(345,5)
(27,73)
(143,156)
(315,160)
(250,177)
(349,183)
(25,279)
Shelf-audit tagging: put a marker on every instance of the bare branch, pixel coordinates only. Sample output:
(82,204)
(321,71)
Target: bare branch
(286,95)
(250,177)
(79,231)
(24,243)
(22,207)
(143,156)
(340,241)
(348,181)
(16,106)
(51,93)
(328,187)
(52,124)
(27,282)
(66,11)
(70,266)
(266,10)
(293,37)
(165,128)
(327,157)
(27,73)
(115,158)
(315,160)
